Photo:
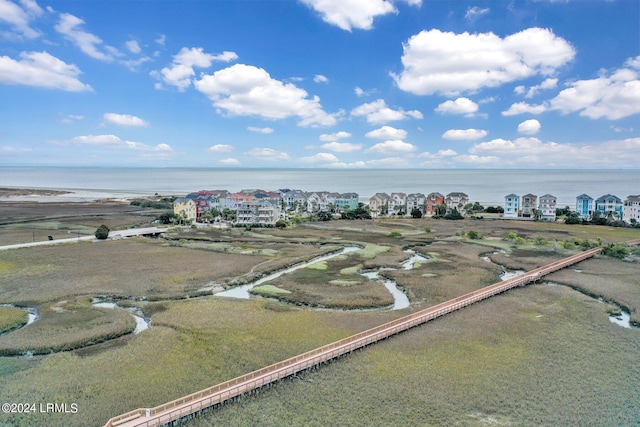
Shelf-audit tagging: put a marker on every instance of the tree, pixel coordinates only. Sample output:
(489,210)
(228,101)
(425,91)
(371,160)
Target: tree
(454,214)
(207,216)
(537,214)
(167,218)
(281,224)
(572,218)
(440,210)
(416,213)
(102,232)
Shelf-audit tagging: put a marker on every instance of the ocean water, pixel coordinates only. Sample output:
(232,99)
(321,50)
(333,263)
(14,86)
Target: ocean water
(485,186)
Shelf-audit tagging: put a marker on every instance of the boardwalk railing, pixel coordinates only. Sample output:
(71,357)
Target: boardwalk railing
(203,399)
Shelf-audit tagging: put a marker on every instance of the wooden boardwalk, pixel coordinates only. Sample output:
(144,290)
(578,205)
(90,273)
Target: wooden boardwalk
(193,404)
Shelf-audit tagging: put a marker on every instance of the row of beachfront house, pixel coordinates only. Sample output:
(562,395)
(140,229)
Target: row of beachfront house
(403,204)
(267,207)
(608,206)
(259,207)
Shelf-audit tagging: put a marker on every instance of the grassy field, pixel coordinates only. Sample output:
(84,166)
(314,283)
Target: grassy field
(11,318)
(538,355)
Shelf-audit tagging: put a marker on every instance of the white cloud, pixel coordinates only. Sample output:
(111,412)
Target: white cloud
(114,142)
(464,134)
(392,146)
(348,14)
(69,26)
(449,63)
(387,132)
(71,118)
(245,90)
(343,165)
(320,158)
(265,130)
(377,112)
(341,147)
(319,78)
(613,96)
(475,12)
(439,155)
(459,106)
(524,108)
(230,162)
(181,70)
(126,120)
(133,64)
(268,154)
(42,70)
(13,150)
(19,18)
(532,152)
(133,46)
(549,83)
(220,148)
(361,92)
(529,127)
(334,136)
(161,39)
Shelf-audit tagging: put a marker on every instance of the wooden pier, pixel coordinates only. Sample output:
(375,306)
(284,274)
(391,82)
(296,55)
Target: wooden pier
(201,401)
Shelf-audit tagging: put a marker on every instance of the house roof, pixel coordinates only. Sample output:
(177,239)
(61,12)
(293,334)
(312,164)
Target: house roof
(608,197)
(584,196)
(512,196)
(548,196)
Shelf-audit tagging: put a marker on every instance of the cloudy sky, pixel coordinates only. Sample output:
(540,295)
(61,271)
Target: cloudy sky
(321,83)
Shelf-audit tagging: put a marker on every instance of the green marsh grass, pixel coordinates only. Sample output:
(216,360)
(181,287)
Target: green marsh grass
(12,318)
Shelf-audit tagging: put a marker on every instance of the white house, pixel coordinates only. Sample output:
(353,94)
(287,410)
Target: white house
(547,204)
(398,203)
(257,213)
(511,206)
(631,212)
(416,201)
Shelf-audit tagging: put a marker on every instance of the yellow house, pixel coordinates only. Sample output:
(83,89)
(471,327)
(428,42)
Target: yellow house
(184,206)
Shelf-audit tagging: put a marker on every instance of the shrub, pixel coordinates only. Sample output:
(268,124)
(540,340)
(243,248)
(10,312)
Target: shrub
(102,232)
(474,235)
(427,229)
(395,234)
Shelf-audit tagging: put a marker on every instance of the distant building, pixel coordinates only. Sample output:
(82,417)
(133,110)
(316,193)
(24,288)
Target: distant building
(584,206)
(398,203)
(547,204)
(610,206)
(262,214)
(293,199)
(456,200)
(416,201)
(431,202)
(631,210)
(185,207)
(347,201)
(528,204)
(511,206)
(379,204)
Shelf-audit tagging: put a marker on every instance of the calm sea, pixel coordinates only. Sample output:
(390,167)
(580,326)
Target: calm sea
(485,186)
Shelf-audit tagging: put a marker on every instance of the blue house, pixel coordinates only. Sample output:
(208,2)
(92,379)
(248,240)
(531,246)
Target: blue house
(584,206)
(610,205)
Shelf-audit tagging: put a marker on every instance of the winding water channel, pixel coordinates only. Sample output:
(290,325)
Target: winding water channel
(142,324)
(622,319)
(400,299)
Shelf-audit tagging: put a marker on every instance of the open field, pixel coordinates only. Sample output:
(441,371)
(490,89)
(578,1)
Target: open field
(539,355)
(11,318)
(24,222)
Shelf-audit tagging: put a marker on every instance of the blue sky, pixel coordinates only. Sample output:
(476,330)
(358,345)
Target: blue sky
(321,83)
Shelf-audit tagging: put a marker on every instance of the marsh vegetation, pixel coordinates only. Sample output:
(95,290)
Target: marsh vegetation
(538,355)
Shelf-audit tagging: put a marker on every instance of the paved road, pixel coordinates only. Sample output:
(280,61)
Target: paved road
(114,234)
